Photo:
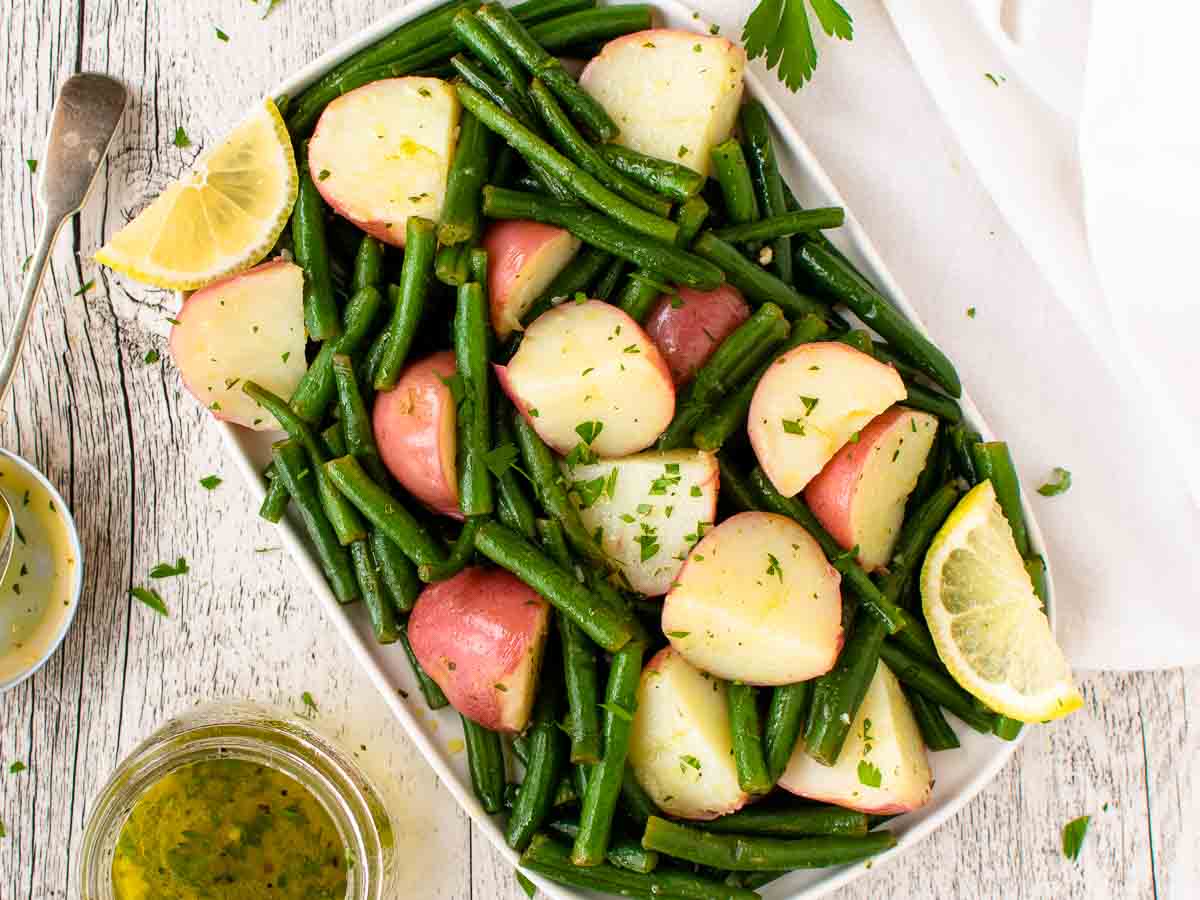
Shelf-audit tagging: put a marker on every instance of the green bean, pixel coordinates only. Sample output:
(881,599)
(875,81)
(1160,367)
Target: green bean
(994,463)
(316,389)
(472,337)
(542,65)
(346,522)
(608,628)
(542,469)
(640,294)
(575,277)
(368,264)
(579,662)
(384,511)
(768,186)
(750,853)
(930,401)
(746,730)
(668,178)
(935,730)
(736,488)
(584,155)
(1036,567)
(308,235)
(356,422)
(678,266)
(785,721)
(379,608)
(434,698)
(591,190)
(485,761)
(607,284)
(733,175)
(731,413)
(513,505)
(409,300)
(886,354)
(604,781)
(490,51)
(293,470)
(840,282)
(451,264)
(781,226)
(961,437)
(754,281)
(459,222)
(545,761)
(858,339)
(932,684)
(691,216)
(622,851)
(730,364)
(934,473)
(460,556)
(548,858)
(635,802)
(396,571)
(589,25)
(275,501)
(792,820)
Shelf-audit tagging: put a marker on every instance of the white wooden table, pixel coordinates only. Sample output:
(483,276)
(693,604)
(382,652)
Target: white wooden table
(127,447)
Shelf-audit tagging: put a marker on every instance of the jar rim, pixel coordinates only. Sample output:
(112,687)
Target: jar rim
(247,731)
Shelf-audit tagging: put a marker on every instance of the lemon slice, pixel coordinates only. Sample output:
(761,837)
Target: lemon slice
(221,217)
(986,621)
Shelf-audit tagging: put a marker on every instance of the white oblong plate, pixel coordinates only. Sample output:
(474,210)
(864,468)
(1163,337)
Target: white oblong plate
(959,775)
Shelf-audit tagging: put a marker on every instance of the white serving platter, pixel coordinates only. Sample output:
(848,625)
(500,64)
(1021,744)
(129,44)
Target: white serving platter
(959,774)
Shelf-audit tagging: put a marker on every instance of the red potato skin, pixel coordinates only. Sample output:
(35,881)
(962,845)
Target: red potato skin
(887,809)
(687,328)
(414,425)
(512,245)
(831,493)
(481,628)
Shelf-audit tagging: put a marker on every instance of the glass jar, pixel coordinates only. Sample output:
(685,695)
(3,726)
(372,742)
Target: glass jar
(259,735)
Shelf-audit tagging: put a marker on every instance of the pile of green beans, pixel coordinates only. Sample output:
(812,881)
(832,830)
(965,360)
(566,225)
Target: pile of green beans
(533,145)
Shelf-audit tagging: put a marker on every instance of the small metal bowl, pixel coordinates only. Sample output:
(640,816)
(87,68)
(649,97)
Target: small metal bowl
(48,642)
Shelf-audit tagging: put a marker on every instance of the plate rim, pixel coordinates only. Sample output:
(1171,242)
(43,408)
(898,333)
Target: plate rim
(860,245)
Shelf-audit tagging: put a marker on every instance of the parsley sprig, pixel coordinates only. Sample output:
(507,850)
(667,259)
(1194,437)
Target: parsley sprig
(779,30)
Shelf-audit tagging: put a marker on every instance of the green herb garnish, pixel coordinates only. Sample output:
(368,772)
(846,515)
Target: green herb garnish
(1060,483)
(150,598)
(1073,834)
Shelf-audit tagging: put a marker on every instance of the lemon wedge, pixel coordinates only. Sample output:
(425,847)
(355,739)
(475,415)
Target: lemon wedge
(219,218)
(987,623)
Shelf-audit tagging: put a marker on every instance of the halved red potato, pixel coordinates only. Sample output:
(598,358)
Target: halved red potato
(757,602)
(480,636)
(860,494)
(587,371)
(382,152)
(248,327)
(674,94)
(650,510)
(679,746)
(523,258)
(882,768)
(810,402)
(687,327)
(415,427)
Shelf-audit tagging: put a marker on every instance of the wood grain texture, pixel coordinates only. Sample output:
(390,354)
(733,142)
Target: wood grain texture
(127,448)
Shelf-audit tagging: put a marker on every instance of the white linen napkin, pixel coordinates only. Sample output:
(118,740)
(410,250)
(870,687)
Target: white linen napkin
(1092,373)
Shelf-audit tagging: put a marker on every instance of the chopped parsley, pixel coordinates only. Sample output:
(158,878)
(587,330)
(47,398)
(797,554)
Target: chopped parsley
(793,426)
(688,759)
(589,431)
(87,286)
(810,403)
(588,491)
(209,482)
(678,634)
(309,704)
(181,137)
(1060,483)
(323,174)
(151,357)
(32,163)
(648,541)
(773,567)
(669,479)
(970,312)
(617,711)
(683,151)
(222,36)
(869,774)
(151,598)
(166,570)
(16,768)
(500,459)
(1073,834)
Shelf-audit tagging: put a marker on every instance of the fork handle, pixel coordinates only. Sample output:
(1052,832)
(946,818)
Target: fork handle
(33,284)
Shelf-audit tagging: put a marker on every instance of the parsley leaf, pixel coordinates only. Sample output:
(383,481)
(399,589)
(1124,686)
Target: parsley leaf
(500,459)
(222,36)
(85,288)
(181,137)
(690,760)
(773,567)
(678,634)
(869,774)
(16,768)
(779,30)
(32,164)
(588,492)
(1060,483)
(151,357)
(151,599)
(589,431)
(793,426)
(1072,836)
(209,482)
(309,704)
(810,403)
(527,886)
(166,570)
